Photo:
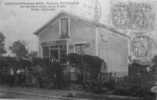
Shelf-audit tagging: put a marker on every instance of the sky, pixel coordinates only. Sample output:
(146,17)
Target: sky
(20,23)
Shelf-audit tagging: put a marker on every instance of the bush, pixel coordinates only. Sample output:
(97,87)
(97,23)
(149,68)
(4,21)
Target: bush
(86,63)
(49,74)
(135,91)
(89,67)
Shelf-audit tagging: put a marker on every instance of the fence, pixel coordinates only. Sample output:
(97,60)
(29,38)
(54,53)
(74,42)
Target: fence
(112,77)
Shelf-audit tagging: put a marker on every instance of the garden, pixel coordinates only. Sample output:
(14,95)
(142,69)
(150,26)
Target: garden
(85,76)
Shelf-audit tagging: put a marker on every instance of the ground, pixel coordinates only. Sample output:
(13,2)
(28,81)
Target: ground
(40,94)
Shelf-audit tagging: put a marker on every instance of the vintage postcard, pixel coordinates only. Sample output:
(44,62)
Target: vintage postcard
(78,49)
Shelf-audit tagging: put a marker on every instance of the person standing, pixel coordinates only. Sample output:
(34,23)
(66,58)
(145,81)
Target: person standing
(58,74)
(11,77)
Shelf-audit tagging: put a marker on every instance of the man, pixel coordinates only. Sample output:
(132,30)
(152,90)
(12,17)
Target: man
(11,76)
(58,74)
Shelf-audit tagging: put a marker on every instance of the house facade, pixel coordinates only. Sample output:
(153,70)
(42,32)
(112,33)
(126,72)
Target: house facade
(67,33)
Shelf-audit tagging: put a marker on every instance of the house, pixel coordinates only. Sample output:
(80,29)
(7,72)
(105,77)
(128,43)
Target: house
(67,33)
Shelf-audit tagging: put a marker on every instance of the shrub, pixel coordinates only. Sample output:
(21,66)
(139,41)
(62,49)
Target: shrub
(89,67)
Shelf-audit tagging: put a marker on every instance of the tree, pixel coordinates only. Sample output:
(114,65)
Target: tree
(19,49)
(154,59)
(2,44)
(33,54)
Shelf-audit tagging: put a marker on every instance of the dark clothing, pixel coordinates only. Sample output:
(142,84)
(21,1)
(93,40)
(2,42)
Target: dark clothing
(58,75)
(11,80)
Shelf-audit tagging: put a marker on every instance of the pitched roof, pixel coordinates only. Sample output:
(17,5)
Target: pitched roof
(85,20)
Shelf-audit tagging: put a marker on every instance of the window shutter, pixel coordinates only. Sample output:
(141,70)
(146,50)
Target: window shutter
(64,27)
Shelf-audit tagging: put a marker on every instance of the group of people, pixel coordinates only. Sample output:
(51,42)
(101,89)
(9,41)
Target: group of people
(16,76)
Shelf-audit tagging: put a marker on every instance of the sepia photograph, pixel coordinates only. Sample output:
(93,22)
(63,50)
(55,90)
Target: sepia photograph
(78,49)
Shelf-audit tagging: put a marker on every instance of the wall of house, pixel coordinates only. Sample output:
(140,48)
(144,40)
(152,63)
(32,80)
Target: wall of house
(82,31)
(113,48)
(49,33)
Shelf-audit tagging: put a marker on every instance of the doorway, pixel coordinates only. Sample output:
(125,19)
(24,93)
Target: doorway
(54,53)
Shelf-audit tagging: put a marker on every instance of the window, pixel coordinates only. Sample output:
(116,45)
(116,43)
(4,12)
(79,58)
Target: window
(63,53)
(45,52)
(79,50)
(57,50)
(64,27)
(140,46)
(54,53)
(80,47)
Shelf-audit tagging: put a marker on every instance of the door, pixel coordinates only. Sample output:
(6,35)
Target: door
(54,53)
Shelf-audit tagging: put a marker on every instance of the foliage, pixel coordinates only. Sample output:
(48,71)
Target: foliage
(135,92)
(89,67)
(74,58)
(33,54)
(49,75)
(154,59)
(2,45)
(19,49)
(93,64)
